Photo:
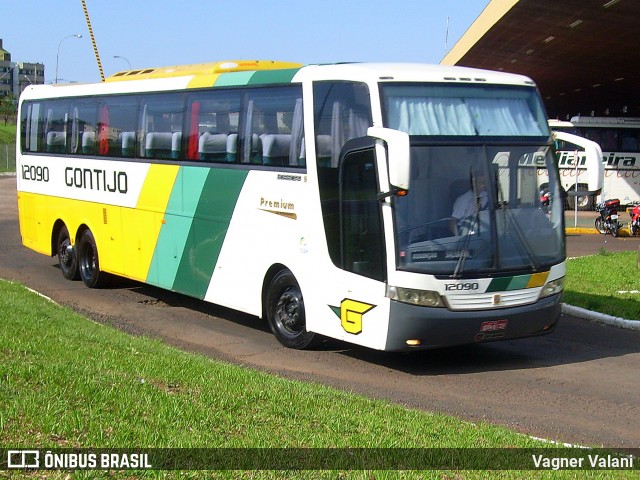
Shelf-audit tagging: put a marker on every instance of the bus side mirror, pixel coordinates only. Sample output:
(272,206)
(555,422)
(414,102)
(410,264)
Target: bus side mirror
(398,155)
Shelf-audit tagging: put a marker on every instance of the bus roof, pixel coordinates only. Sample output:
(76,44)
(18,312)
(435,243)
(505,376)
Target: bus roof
(202,69)
(408,72)
(555,123)
(580,121)
(253,72)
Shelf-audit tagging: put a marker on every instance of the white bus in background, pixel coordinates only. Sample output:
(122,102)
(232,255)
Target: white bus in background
(619,139)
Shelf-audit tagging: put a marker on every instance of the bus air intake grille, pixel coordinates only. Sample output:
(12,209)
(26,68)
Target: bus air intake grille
(483,301)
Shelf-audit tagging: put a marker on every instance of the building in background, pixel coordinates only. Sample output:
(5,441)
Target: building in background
(16,76)
(582,55)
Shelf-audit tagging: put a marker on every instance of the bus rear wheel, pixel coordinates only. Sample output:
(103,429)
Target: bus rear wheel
(285,312)
(584,202)
(89,263)
(67,258)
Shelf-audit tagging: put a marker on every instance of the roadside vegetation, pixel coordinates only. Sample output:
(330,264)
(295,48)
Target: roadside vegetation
(606,283)
(7,146)
(67,382)
(7,133)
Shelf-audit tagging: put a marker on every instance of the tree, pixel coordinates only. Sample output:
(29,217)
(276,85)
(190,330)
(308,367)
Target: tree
(8,107)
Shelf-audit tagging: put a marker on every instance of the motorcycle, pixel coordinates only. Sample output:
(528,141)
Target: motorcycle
(545,201)
(608,222)
(634,213)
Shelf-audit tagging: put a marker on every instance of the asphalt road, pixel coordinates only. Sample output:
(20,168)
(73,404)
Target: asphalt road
(577,385)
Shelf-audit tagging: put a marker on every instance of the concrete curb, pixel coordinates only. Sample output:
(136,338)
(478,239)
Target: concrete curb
(600,317)
(623,232)
(579,230)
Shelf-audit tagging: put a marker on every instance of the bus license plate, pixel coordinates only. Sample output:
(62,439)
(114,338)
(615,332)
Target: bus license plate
(493,326)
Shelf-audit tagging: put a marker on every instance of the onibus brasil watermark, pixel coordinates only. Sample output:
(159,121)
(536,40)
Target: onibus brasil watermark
(320,459)
(107,460)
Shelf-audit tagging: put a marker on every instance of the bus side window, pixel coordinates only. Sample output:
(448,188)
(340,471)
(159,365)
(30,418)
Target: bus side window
(83,127)
(162,117)
(56,126)
(116,116)
(213,119)
(32,127)
(272,132)
(341,113)
(630,140)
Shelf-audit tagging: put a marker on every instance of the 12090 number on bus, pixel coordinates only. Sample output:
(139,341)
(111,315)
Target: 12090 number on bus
(36,174)
(461,286)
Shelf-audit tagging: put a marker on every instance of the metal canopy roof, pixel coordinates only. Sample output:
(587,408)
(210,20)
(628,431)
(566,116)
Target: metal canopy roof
(584,55)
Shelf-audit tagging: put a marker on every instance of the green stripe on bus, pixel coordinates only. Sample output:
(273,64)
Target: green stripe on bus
(178,217)
(502,284)
(499,284)
(273,76)
(519,282)
(211,220)
(233,79)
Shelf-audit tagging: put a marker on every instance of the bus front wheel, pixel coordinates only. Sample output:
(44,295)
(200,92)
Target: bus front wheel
(67,255)
(285,312)
(89,263)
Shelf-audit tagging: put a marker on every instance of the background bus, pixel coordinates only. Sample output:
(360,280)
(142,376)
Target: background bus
(619,139)
(322,198)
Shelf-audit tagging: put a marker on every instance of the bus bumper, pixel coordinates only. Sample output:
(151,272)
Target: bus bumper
(413,327)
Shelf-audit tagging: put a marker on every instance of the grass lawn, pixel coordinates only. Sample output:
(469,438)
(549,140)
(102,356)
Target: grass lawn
(7,147)
(66,382)
(606,283)
(7,133)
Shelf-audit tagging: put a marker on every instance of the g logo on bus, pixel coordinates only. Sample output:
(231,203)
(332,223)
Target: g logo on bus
(350,313)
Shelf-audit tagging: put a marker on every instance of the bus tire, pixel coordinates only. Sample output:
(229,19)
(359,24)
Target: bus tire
(89,263)
(67,258)
(285,311)
(585,202)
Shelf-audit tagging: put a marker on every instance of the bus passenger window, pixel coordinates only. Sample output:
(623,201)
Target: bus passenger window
(83,127)
(162,126)
(31,127)
(630,140)
(116,117)
(272,133)
(56,126)
(213,119)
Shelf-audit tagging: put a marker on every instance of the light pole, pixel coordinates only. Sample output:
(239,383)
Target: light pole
(123,58)
(76,35)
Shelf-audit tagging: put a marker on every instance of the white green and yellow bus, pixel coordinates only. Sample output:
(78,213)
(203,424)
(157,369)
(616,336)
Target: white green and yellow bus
(320,198)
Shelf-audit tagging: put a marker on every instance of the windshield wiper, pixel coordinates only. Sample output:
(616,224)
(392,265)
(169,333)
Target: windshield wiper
(508,214)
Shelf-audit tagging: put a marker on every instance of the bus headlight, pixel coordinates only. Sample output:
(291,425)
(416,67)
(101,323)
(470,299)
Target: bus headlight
(553,287)
(425,298)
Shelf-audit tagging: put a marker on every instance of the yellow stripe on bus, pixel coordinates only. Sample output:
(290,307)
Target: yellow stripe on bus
(143,223)
(537,279)
(200,81)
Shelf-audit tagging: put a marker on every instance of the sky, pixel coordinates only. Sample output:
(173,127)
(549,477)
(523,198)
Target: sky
(154,33)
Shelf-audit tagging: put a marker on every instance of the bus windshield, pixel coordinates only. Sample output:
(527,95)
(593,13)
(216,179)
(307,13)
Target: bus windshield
(464,110)
(476,209)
